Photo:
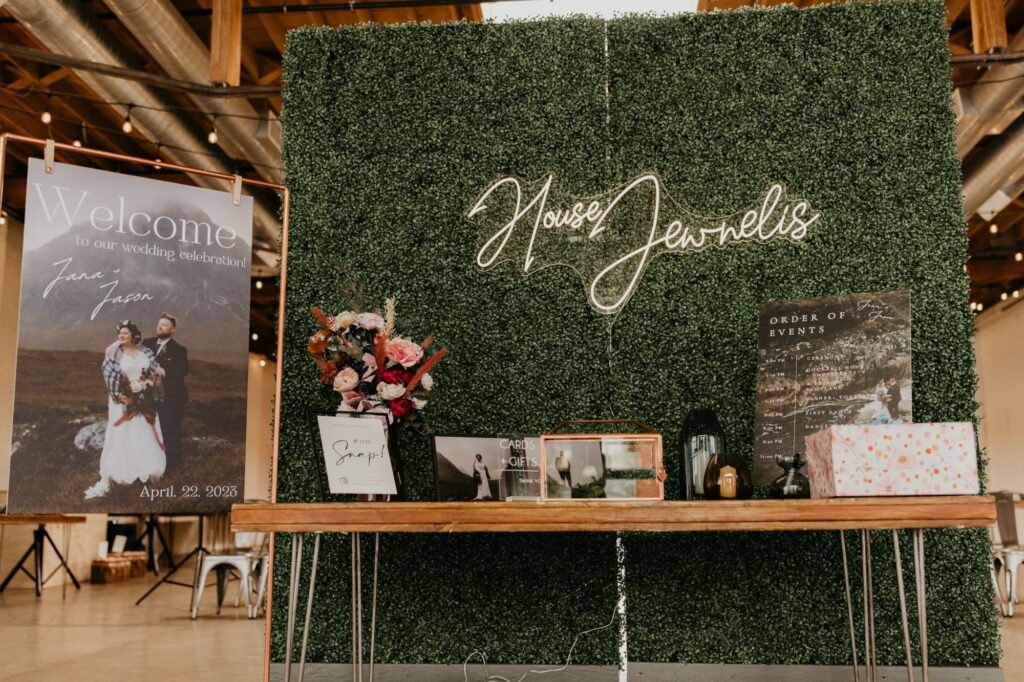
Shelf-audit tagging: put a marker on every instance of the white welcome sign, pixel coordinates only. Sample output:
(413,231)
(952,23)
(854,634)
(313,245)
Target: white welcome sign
(611,238)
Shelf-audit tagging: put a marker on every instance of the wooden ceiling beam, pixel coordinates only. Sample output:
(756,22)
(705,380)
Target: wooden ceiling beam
(269,77)
(991,270)
(988,26)
(226,42)
(954,8)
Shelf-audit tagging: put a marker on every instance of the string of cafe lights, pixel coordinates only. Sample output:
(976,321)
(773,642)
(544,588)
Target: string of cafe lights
(127,125)
(126,129)
(27,92)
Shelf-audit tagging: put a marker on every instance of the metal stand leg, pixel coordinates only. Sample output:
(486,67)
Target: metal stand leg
(922,598)
(903,605)
(309,607)
(293,598)
(849,606)
(373,602)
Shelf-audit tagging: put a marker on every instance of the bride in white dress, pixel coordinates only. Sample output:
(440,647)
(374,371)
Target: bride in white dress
(133,448)
(482,478)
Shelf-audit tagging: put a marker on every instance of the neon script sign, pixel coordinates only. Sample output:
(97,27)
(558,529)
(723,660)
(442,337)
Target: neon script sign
(610,239)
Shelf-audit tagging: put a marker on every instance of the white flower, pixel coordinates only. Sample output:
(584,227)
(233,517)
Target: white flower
(427,381)
(390,391)
(342,321)
(369,321)
(419,404)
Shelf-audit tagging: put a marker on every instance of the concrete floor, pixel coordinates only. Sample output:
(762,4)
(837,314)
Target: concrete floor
(99,635)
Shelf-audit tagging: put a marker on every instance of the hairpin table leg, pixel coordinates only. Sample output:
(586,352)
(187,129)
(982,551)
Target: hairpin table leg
(359,597)
(849,606)
(903,605)
(922,598)
(373,602)
(355,625)
(293,600)
(309,607)
(870,660)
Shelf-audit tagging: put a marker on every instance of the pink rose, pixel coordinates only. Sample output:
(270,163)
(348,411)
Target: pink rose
(370,321)
(403,351)
(346,380)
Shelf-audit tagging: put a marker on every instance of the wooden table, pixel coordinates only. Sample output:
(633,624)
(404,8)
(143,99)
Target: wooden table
(40,536)
(841,514)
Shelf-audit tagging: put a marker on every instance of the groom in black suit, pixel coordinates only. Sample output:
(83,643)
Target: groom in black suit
(173,360)
(893,398)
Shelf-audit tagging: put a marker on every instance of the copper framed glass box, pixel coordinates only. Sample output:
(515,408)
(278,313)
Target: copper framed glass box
(614,466)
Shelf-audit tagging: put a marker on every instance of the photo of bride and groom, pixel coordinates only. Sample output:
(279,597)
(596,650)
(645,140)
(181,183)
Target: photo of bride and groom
(147,395)
(886,407)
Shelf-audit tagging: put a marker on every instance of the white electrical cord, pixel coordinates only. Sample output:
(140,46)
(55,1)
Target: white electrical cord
(568,659)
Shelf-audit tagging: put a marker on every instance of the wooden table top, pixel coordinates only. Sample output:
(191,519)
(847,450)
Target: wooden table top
(36,519)
(611,516)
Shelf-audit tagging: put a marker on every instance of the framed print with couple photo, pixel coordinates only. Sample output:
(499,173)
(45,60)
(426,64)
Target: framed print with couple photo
(487,468)
(583,466)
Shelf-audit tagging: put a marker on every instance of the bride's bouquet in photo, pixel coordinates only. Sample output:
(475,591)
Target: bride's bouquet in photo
(362,357)
(140,397)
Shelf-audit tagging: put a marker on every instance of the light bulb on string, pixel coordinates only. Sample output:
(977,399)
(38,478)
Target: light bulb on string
(259,284)
(1003,296)
(993,228)
(3,217)
(1018,256)
(255,336)
(1016,293)
(46,116)
(127,125)
(212,137)
(76,142)
(263,363)
(981,306)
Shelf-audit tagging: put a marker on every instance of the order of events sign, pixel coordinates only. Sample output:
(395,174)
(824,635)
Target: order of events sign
(827,361)
(132,346)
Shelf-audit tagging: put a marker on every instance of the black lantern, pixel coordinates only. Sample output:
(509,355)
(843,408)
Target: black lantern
(702,439)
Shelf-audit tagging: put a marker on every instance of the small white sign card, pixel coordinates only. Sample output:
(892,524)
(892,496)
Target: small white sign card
(356,455)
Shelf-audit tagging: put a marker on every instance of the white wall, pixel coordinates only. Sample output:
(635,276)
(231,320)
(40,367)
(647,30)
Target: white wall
(999,345)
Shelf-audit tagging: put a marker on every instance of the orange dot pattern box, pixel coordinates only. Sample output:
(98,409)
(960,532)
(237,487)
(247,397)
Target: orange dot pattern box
(893,459)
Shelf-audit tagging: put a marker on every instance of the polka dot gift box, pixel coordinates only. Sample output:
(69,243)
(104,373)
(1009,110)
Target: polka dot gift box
(893,459)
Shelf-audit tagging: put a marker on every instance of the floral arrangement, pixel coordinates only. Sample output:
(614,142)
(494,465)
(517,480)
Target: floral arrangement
(373,368)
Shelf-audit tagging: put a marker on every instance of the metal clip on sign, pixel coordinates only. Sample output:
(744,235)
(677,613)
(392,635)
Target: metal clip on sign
(236,191)
(48,152)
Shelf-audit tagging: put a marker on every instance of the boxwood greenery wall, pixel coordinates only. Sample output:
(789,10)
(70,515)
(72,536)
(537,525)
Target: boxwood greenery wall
(391,133)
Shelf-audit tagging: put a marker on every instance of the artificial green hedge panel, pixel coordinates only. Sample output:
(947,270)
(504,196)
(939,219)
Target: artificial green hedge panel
(390,135)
